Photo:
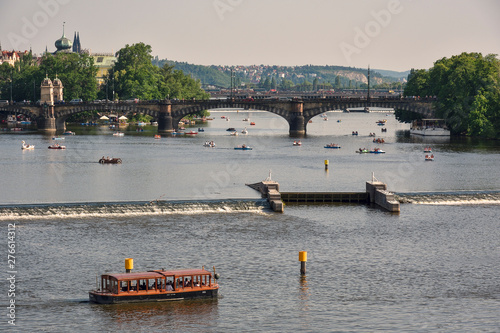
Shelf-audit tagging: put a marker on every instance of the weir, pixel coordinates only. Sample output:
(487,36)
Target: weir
(376,193)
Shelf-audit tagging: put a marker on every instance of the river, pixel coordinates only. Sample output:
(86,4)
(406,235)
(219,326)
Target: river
(174,203)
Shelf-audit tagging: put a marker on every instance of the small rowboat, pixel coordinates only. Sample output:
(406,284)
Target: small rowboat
(157,136)
(118,134)
(210,144)
(191,133)
(69,133)
(243,147)
(377,151)
(297,143)
(110,160)
(57,138)
(252,123)
(333,146)
(429,158)
(57,146)
(362,151)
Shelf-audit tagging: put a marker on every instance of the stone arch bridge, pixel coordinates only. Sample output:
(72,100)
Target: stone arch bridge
(168,113)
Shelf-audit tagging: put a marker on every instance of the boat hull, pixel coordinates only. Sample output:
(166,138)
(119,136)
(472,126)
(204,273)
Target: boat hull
(430,132)
(100,298)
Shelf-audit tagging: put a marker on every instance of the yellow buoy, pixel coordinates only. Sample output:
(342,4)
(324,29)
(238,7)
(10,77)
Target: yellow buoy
(129,264)
(326,164)
(303,259)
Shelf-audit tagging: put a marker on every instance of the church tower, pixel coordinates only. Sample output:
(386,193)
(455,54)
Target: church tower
(77,48)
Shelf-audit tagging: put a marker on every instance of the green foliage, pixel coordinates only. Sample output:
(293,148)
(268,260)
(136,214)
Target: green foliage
(139,117)
(406,116)
(417,83)
(135,76)
(76,71)
(83,117)
(467,89)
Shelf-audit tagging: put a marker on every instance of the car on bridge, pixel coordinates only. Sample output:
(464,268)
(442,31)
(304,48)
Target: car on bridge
(76,101)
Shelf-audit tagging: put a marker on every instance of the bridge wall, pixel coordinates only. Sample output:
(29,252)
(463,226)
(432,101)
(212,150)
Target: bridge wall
(296,112)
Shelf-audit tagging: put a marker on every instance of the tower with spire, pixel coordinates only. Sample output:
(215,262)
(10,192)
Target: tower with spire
(63,44)
(77,48)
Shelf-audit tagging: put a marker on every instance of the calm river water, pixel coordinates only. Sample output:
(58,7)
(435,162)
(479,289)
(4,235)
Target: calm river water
(433,267)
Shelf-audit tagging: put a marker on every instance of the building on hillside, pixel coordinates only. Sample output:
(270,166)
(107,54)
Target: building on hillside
(11,57)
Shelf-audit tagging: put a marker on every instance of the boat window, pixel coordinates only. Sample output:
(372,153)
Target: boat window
(143,284)
(124,285)
(133,285)
(197,281)
(114,285)
(152,284)
(107,286)
(160,284)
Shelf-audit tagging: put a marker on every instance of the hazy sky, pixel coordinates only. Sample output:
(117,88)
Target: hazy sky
(386,34)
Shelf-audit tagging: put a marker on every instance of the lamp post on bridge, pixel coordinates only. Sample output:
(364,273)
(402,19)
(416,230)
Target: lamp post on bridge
(11,78)
(368,96)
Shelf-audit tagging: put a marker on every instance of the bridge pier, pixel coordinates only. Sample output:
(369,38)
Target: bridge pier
(46,124)
(47,121)
(165,124)
(297,121)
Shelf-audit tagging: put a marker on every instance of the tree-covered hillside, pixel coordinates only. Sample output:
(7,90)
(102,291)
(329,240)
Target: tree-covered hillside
(285,77)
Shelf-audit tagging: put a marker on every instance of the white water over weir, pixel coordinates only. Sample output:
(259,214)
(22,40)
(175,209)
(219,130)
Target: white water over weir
(132,208)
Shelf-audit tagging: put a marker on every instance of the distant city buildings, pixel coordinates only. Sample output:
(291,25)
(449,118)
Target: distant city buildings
(103,61)
(11,57)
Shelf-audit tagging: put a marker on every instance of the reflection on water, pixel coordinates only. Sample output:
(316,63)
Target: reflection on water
(174,315)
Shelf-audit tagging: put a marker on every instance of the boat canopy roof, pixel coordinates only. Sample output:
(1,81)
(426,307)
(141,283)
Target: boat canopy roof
(157,274)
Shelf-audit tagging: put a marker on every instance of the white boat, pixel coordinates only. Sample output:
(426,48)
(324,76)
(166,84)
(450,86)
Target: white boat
(118,134)
(234,133)
(429,127)
(244,131)
(27,147)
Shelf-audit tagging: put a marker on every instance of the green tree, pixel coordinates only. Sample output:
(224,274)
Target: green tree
(315,84)
(134,74)
(76,72)
(467,89)
(337,82)
(274,85)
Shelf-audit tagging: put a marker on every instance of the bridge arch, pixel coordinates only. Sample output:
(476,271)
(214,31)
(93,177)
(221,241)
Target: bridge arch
(180,112)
